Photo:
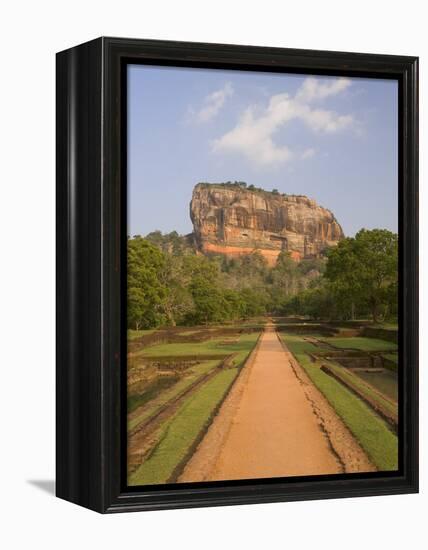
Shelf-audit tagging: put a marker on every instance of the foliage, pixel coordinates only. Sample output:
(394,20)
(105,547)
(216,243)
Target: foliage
(360,277)
(239,185)
(364,271)
(146,293)
(171,243)
(316,302)
(168,283)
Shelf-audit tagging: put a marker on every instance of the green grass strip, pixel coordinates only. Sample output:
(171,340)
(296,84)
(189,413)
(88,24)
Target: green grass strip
(380,444)
(182,430)
(361,343)
(133,334)
(215,346)
(364,389)
(240,349)
(151,408)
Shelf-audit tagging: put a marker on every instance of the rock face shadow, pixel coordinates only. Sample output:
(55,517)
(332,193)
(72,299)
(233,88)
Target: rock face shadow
(46,485)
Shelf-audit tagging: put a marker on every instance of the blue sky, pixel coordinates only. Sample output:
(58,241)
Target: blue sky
(332,139)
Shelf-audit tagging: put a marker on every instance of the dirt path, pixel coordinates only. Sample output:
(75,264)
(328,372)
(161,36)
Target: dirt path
(272,425)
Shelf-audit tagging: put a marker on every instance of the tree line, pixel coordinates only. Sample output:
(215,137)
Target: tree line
(243,185)
(169,284)
(360,280)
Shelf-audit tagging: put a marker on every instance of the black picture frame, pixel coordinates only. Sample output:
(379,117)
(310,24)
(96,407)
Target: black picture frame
(91,237)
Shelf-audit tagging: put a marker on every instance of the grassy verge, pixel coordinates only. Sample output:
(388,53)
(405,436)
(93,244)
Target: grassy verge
(182,430)
(361,343)
(380,444)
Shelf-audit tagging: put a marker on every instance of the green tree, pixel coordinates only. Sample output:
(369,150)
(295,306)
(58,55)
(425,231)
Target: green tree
(209,302)
(235,304)
(171,243)
(178,301)
(285,279)
(255,302)
(146,293)
(364,271)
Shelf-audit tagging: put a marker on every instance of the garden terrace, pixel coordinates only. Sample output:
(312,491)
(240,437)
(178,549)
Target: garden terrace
(182,383)
(170,335)
(351,373)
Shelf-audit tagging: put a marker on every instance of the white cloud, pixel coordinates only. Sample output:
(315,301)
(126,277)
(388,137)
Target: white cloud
(254,132)
(325,121)
(252,136)
(212,104)
(314,89)
(308,153)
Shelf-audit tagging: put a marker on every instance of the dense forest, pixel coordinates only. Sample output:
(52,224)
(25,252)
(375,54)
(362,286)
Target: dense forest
(169,284)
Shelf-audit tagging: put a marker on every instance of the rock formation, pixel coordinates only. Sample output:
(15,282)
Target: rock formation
(233,220)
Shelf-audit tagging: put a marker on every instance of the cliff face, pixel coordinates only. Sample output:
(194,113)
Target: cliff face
(234,221)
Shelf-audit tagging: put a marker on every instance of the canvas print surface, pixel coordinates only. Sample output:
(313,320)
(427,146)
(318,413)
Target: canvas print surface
(262,275)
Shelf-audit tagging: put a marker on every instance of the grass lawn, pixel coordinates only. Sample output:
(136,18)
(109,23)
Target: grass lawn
(215,346)
(361,343)
(380,444)
(387,325)
(152,407)
(133,334)
(182,430)
(300,345)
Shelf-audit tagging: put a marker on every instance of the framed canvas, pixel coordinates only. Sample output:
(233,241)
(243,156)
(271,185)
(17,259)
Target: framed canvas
(237,282)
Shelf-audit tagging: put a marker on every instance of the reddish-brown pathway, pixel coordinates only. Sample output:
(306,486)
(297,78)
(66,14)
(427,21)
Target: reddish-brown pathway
(267,426)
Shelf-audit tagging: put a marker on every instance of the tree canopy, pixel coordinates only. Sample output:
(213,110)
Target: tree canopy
(169,283)
(363,271)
